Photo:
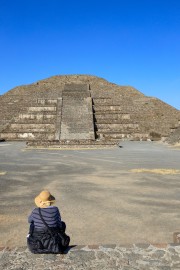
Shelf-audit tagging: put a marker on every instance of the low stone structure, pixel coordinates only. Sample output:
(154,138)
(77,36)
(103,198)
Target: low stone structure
(109,257)
(174,137)
(73,108)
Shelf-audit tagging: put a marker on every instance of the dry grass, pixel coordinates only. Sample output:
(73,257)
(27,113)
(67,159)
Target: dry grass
(156,171)
(175,146)
(2,173)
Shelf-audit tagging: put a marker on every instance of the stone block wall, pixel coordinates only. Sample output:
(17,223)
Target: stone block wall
(133,117)
(36,123)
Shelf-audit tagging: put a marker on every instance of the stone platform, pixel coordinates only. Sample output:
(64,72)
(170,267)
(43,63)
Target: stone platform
(66,144)
(122,257)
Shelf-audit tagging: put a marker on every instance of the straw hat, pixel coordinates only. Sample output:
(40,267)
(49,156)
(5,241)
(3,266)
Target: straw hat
(44,198)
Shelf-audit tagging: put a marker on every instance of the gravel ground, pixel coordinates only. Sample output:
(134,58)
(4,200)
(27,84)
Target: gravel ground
(120,195)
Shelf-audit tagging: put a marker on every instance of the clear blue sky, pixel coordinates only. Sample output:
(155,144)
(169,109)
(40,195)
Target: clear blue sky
(128,42)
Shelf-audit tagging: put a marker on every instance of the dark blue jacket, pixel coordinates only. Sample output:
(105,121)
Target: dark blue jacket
(50,214)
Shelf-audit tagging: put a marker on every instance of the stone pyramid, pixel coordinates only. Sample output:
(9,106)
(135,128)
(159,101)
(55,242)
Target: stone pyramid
(81,109)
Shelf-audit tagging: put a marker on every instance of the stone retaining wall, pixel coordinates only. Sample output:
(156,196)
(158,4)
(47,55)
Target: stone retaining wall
(106,257)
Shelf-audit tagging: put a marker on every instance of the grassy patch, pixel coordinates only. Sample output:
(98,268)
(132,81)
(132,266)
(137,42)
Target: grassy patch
(157,171)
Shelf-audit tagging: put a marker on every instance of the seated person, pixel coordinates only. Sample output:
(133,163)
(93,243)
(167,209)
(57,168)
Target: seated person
(47,231)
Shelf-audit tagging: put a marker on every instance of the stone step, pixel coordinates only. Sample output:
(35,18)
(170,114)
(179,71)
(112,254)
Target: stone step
(79,107)
(79,131)
(26,112)
(120,109)
(77,100)
(43,105)
(77,119)
(78,134)
(78,96)
(78,91)
(34,125)
(16,127)
(27,130)
(26,136)
(72,119)
(117,132)
(34,121)
(76,86)
(96,95)
(77,124)
(14,105)
(112,116)
(24,130)
(9,110)
(124,135)
(83,142)
(116,135)
(132,256)
(121,100)
(37,117)
(17,98)
(112,112)
(115,126)
(111,102)
(43,101)
(71,144)
(42,109)
(75,95)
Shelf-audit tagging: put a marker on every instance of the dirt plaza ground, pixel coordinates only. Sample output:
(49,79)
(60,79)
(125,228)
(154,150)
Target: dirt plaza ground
(105,196)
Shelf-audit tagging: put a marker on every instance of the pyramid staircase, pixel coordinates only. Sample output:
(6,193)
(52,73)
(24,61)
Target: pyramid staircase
(77,115)
(10,106)
(74,121)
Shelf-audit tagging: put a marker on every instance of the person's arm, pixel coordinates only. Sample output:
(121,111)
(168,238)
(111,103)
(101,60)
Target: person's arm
(59,218)
(30,218)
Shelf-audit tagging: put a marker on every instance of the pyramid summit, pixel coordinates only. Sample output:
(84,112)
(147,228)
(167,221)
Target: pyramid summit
(83,109)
